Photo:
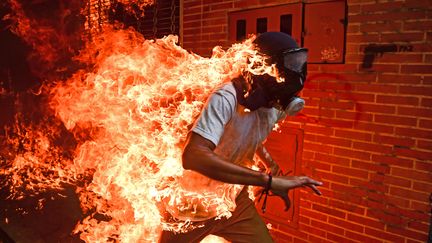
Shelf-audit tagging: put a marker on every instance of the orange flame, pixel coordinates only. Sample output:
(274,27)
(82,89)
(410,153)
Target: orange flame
(139,102)
(130,112)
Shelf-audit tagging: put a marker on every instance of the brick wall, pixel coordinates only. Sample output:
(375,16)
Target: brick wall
(367,131)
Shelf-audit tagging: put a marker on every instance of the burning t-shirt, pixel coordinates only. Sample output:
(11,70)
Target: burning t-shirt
(237,133)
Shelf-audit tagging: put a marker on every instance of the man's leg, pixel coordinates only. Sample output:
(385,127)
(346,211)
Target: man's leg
(245,225)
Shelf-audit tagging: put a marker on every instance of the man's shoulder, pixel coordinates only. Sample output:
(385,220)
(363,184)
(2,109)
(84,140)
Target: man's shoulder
(226,89)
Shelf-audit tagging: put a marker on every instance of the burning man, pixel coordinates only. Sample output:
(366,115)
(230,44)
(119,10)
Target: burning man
(231,128)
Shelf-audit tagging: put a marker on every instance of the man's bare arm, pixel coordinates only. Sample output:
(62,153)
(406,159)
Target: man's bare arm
(198,155)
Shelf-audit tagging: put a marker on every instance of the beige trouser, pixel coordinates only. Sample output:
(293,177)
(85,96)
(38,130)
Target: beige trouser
(245,225)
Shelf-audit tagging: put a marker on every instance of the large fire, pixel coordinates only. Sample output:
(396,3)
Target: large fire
(128,111)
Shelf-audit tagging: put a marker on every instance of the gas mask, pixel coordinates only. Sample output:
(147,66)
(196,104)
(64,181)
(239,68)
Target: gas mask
(266,91)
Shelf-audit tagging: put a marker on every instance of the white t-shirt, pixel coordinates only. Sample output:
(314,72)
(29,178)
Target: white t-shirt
(237,134)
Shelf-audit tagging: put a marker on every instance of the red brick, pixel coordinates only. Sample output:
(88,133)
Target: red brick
(317,165)
(372,127)
(385,217)
(376,88)
(423,236)
(334,86)
(350,207)
(419,226)
(337,68)
(319,130)
(317,147)
(218,21)
(214,14)
(370,166)
(344,105)
(299,240)
(428,58)
(411,174)
(425,124)
(396,120)
(353,7)
(423,144)
(355,78)
(426,102)
(335,141)
(409,194)
(384,235)
(398,100)
(393,140)
(213,29)
(423,165)
(191,25)
(374,190)
(422,47)
(402,37)
(384,68)
(312,230)
(346,189)
(424,25)
(373,147)
(389,6)
(416,112)
(346,224)
(354,198)
(412,132)
(352,154)
(396,15)
(318,240)
(416,90)
(315,93)
(224,6)
(332,159)
(280,237)
(325,226)
(373,108)
(379,27)
(332,177)
(355,135)
(191,17)
(412,153)
(420,186)
(399,79)
(338,238)
(417,4)
(397,181)
(361,237)
(398,201)
(362,38)
(244,3)
(392,160)
(336,123)
(292,231)
(401,57)
(420,206)
(369,222)
(353,28)
(420,69)
(313,215)
(356,116)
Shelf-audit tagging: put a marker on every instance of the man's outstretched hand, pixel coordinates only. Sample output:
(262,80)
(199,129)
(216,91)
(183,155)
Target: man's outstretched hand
(281,184)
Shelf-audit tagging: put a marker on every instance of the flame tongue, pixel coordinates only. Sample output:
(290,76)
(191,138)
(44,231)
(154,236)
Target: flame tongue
(137,105)
(130,116)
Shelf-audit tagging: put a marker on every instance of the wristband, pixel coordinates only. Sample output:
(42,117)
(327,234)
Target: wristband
(269,182)
(266,192)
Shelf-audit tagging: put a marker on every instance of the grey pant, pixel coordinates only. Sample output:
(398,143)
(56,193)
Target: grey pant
(245,225)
